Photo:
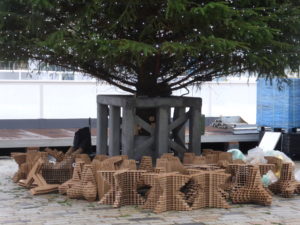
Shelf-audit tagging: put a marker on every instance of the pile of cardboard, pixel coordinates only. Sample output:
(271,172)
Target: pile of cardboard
(76,178)
(210,180)
(126,188)
(170,197)
(286,186)
(35,181)
(82,186)
(207,191)
(146,164)
(252,191)
(59,172)
(208,157)
(169,185)
(39,174)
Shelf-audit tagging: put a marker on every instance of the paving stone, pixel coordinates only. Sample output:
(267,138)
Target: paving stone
(191,223)
(10,221)
(234,213)
(18,206)
(145,218)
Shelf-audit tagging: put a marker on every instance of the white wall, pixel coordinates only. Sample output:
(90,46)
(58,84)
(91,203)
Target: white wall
(19,100)
(228,99)
(77,99)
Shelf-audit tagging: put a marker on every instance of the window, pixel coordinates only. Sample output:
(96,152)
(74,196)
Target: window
(34,70)
(9,75)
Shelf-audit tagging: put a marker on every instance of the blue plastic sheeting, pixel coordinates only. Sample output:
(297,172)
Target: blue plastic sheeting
(278,108)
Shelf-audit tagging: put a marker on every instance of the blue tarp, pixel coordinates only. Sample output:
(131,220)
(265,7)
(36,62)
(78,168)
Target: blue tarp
(278,108)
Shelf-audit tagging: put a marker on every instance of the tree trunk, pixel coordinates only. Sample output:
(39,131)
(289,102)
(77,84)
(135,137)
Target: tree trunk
(150,88)
(147,86)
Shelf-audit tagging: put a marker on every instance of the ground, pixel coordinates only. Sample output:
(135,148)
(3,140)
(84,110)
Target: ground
(19,207)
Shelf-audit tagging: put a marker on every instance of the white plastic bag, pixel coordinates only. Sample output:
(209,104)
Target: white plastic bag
(269,178)
(51,159)
(297,175)
(237,154)
(280,155)
(256,156)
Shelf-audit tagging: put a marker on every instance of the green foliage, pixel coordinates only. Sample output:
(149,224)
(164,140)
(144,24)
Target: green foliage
(162,44)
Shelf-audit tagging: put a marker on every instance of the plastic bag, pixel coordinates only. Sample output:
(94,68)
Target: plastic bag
(51,159)
(297,175)
(256,156)
(280,155)
(237,154)
(269,178)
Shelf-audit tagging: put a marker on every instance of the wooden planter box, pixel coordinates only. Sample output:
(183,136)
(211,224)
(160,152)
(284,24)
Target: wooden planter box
(169,131)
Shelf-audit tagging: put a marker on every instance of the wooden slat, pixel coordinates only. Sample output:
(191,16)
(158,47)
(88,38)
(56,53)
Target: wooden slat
(144,124)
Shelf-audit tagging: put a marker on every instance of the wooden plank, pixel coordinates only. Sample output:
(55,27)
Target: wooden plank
(144,124)
(44,189)
(179,132)
(179,119)
(114,131)
(177,147)
(115,100)
(144,102)
(145,144)
(195,131)
(162,130)
(175,101)
(128,124)
(102,126)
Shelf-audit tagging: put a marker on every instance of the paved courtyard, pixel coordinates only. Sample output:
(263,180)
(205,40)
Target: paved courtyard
(19,207)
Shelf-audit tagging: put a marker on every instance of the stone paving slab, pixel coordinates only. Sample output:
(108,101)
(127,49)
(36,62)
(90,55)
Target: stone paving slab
(19,207)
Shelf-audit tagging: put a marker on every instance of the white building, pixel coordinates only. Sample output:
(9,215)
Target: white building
(28,93)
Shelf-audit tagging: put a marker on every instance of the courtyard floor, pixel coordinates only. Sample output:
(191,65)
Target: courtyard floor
(19,207)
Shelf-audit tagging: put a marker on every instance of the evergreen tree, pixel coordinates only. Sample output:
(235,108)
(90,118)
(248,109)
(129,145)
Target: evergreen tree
(153,47)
